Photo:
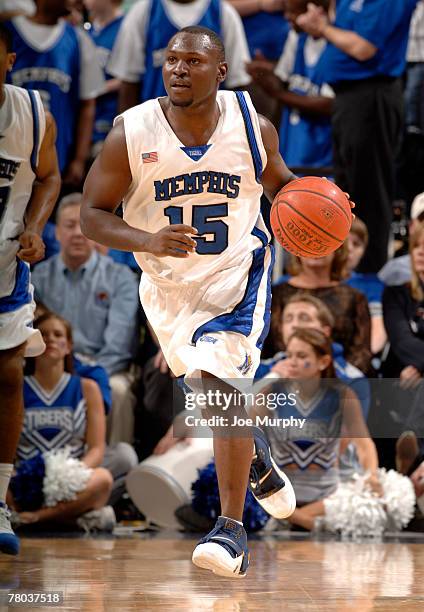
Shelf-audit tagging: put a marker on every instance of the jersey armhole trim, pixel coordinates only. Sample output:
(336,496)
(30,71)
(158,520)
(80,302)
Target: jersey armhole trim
(35,131)
(250,132)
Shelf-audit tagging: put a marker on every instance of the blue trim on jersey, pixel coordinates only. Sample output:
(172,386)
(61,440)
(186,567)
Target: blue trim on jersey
(257,161)
(267,313)
(261,235)
(240,319)
(20,294)
(35,130)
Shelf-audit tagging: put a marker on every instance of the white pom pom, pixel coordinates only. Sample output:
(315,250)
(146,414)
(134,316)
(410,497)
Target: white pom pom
(354,511)
(398,498)
(64,477)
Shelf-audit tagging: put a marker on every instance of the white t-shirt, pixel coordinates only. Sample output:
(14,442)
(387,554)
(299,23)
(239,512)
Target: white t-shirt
(416,35)
(313,50)
(43,37)
(127,61)
(26,6)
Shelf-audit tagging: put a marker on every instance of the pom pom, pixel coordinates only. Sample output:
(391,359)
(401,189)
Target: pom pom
(354,511)
(65,477)
(206,502)
(27,484)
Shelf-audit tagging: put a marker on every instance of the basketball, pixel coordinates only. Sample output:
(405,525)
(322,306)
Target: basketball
(311,217)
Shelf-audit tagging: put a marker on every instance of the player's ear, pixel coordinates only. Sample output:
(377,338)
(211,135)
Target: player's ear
(222,72)
(11,57)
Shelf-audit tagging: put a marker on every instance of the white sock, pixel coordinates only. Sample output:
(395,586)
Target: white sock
(5,474)
(231,519)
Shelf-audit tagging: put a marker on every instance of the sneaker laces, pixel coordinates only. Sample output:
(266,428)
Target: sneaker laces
(5,515)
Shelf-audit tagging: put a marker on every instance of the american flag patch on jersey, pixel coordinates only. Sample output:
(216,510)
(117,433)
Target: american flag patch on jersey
(149,158)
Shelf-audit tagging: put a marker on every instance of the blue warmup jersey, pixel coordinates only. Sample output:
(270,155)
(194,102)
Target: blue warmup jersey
(160,29)
(304,140)
(266,32)
(55,74)
(106,105)
(385,24)
(53,420)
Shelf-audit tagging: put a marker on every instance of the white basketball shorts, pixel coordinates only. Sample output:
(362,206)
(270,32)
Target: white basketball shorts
(16,328)
(218,325)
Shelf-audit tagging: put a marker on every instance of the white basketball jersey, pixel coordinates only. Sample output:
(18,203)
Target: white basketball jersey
(214,188)
(22,127)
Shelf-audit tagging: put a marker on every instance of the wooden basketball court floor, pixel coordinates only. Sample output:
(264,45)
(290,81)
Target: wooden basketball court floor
(154,572)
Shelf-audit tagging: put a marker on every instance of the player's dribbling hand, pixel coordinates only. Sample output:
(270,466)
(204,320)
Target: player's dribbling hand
(32,247)
(172,241)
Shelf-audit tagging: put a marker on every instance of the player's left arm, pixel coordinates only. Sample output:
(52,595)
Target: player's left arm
(275,174)
(45,191)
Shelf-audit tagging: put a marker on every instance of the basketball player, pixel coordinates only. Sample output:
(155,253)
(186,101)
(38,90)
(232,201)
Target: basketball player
(29,186)
(189,167)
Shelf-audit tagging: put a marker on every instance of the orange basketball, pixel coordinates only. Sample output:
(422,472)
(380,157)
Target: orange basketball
(311,217)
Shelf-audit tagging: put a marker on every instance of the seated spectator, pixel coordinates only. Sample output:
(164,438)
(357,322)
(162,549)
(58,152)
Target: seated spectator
(46,45)
(63,410)
(306,311)
(139,51)
(323,278)
(105,21)
(299,83)
(410,461)
(100,299)
(403,310)
(310,459)
(398,270)
(369,284)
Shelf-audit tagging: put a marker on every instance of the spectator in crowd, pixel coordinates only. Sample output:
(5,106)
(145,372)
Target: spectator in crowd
(105,20)
(398,270)
(299,82)
(139,51)
(364,62)
(100,299)
(63,410)
(369,284)
(403,309)
(60,62)
(306,311)
(259,19)
(323,278)
(410,461)
(311,463)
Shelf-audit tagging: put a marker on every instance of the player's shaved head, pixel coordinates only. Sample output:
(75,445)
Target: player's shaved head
(209,38)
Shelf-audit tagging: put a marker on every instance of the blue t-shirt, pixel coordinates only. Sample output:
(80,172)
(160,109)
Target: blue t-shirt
(385,24)
(306,140)
(371,286)
(258,28)
(107,104)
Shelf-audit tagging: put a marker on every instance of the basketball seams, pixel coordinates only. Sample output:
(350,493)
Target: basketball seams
(322,195)
(290,238)
(321,229)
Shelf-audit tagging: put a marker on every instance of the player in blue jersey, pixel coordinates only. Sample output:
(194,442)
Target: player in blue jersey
(60,62)
(299,83)
(105,19)
(139,51)
(29,186)
(191,168)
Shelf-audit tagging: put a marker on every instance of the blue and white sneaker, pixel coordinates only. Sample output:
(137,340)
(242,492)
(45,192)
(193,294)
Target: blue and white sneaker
(269,485)
(9,542)
(224,550)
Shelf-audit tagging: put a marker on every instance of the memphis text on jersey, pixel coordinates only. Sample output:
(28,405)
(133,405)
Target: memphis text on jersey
(198,182)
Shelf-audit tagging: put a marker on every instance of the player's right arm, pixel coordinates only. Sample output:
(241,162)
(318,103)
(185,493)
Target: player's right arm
(106,185)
